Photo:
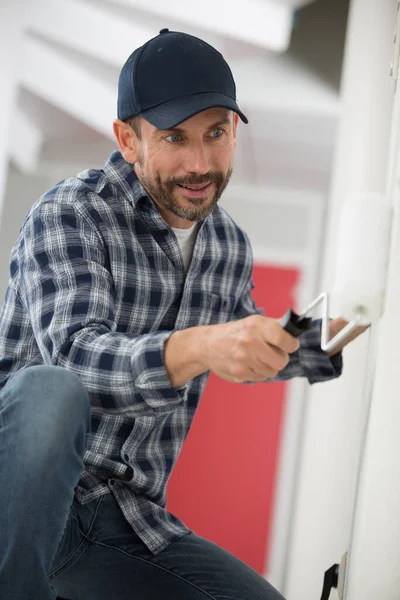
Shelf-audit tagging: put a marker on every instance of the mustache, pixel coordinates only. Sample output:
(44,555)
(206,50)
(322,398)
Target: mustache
(212,177)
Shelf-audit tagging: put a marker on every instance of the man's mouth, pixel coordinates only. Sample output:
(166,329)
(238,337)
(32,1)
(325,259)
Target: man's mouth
(196,190)
(195,186)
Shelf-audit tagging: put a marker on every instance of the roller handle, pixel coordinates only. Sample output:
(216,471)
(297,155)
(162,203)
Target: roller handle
(294,324)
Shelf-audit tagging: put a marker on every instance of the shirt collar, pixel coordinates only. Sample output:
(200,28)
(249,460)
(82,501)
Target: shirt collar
(121,174)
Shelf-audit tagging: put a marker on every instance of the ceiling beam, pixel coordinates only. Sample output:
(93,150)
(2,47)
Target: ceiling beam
(89,28)
(267,23)
(69,85)
(284,84)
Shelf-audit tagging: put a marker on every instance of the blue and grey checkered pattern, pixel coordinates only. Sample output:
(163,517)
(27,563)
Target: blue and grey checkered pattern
(97,284)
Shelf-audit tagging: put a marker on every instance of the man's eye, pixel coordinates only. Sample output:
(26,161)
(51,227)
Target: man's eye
(173,138)
(217,133)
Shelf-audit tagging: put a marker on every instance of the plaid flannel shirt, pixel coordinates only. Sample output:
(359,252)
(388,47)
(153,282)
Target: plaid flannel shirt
(97,285)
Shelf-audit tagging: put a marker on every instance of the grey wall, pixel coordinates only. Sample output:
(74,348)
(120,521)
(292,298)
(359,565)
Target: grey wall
(21,193)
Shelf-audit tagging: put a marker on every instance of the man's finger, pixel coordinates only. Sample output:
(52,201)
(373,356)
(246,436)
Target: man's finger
(278,337)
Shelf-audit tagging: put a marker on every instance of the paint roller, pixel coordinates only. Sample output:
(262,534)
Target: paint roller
(361,267)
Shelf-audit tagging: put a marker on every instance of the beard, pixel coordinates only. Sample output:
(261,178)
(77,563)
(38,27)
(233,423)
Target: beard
(196,209)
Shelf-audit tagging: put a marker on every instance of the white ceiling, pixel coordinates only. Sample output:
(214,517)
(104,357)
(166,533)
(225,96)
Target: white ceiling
(286,67)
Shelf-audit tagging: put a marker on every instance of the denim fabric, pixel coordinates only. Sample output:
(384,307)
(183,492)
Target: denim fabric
(112,563)
(51,545)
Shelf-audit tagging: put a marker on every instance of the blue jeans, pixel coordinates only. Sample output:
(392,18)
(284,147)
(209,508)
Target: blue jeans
(50,545)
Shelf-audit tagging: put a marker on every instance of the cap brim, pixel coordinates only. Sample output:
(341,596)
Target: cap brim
(172,113)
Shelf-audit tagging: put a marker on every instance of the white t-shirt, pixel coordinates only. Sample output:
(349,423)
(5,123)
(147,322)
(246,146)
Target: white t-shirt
(186,240)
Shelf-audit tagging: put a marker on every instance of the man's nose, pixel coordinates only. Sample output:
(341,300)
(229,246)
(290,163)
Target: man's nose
(197,159)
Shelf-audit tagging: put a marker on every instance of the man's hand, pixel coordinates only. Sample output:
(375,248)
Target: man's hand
(251,349)
(335,326)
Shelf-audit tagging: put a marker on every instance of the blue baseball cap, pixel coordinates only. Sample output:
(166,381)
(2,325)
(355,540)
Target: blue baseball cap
(173,77)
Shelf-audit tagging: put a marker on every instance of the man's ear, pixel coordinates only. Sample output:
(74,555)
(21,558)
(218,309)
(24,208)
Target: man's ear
(127,141)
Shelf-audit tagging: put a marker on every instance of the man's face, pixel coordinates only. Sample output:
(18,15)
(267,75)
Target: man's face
(186,169)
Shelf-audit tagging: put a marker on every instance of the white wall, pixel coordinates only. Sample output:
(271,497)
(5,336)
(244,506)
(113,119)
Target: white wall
(335,412)
(374,558)
(374,555)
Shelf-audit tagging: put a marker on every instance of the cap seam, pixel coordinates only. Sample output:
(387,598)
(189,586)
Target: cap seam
(188,96)
(135,66)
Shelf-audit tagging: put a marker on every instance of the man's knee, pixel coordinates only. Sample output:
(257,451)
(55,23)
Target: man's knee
(48,392)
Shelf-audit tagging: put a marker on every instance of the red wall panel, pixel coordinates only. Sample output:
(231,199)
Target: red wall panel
(223,484)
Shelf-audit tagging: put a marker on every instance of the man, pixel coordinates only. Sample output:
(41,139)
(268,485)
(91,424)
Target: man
(128,285)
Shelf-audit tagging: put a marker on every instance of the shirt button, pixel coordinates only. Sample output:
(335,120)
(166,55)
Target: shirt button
(112,481)
(126,457)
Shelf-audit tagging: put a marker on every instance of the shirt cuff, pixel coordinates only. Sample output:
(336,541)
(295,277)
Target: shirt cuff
(316,365)
(150,375)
